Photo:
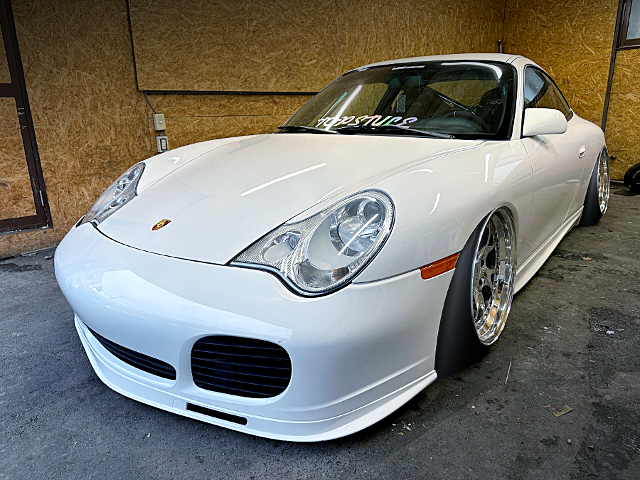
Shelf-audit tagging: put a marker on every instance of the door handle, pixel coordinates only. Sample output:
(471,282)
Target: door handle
(582,151)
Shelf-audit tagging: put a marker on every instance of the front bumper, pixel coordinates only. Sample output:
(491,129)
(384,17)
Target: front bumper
(357,354)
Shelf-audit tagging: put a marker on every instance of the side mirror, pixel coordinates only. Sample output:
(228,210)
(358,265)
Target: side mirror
(543,121)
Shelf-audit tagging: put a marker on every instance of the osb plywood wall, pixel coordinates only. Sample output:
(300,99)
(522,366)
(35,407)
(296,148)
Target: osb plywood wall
(375,30)
(271,45)
(194,118)
(275,46)
(15,186)
(572,40)
(264,45)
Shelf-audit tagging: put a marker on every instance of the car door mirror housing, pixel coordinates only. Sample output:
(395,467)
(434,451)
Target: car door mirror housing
(543,121)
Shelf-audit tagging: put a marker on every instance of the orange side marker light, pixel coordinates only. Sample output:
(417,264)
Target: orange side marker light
(441,266)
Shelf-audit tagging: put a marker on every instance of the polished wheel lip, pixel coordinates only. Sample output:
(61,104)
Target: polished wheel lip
(493,277)
(603,181)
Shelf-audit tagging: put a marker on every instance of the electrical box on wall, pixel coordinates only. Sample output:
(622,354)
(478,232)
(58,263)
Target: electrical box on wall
(162,142)
(158,122)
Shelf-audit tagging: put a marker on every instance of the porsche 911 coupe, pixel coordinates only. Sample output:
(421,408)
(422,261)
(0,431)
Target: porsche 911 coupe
(304,284)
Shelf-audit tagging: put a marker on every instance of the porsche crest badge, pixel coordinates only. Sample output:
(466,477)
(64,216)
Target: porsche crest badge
(162,223)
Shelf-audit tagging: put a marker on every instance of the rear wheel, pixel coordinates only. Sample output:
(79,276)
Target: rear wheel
(596,200)
(632,178)
(479,296)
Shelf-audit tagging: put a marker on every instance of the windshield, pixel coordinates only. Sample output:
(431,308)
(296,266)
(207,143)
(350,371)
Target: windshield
(460,99)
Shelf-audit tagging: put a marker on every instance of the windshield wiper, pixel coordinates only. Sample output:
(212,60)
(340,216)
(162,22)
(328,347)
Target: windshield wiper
(390,129)
(303,129)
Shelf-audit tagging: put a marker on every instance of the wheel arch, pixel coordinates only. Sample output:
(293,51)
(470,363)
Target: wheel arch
(458,345)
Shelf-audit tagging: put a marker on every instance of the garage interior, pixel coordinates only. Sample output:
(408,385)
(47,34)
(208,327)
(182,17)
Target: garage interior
(84,79)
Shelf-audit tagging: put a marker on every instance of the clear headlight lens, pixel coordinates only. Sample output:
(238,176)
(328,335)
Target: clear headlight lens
(115,196)
(326,251)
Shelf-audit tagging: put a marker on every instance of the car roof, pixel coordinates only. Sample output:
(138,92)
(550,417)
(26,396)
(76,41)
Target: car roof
(495,57)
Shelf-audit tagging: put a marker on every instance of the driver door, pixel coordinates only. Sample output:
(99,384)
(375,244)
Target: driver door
(556,159)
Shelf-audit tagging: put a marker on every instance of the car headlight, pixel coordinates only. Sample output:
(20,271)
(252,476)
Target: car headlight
(326,251)
(118,194)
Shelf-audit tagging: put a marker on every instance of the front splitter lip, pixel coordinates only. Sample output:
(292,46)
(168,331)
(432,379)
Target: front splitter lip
(118,378)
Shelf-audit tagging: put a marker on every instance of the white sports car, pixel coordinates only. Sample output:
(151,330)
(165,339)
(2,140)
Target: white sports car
(303,285)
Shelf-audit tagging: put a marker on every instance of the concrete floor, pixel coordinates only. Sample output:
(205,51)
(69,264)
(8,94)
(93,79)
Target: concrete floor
(572,339)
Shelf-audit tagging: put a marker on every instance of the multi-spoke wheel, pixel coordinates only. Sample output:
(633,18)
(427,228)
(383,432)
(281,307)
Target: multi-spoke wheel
(480,294)
(603,182)
(493,276)
(596,200)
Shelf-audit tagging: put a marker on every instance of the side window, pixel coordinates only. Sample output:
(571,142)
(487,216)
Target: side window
(629,34)
(541,92)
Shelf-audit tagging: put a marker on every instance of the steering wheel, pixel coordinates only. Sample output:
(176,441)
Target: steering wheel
(468,115)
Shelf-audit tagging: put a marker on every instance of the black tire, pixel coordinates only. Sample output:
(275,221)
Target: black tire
(458,344)
(592,213)
(632,178)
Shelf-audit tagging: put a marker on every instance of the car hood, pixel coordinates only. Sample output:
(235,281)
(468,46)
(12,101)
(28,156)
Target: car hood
(228,197)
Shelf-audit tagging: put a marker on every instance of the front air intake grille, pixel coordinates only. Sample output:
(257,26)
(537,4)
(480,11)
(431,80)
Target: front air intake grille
(138,360)
(240,366)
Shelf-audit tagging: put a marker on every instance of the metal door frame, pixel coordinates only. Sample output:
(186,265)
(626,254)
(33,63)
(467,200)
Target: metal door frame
(17,90)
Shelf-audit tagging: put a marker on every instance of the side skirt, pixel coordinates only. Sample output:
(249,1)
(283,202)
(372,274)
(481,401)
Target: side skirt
(532,264)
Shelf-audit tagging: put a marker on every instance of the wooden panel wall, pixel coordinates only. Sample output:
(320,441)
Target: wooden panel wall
(271,45)
(259,45)
(187,53)
(16,197)
(572,39)
(376,30)
(195,118)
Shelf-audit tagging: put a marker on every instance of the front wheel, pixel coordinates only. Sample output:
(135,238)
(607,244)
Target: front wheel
(479,296)
(596,201)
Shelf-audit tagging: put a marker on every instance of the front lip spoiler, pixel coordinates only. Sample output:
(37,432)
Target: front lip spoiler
(347,423)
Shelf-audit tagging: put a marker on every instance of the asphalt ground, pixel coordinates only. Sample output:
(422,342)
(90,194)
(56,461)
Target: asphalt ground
(572,341)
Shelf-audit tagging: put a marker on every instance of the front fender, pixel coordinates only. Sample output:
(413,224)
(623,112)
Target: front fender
(441,201)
